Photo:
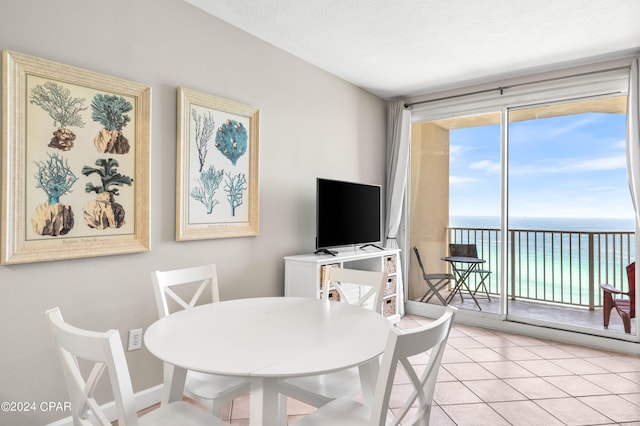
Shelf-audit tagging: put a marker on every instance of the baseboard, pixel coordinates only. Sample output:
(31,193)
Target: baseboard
(145,398)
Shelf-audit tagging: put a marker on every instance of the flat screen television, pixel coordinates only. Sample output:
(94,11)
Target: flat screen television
(347,213)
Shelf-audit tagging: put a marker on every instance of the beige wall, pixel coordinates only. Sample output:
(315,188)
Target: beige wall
(429,206)
(311,124)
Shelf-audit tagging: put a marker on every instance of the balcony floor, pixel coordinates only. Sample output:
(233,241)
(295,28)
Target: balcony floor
(546,312)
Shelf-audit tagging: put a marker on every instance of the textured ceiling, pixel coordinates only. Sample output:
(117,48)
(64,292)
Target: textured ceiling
(398,48)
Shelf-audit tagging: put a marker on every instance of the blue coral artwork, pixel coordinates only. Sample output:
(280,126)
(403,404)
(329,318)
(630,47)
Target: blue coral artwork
(111,111)
(218,166)
(76,181)
(231,140)
(79,149)
(217,181)
(55,177)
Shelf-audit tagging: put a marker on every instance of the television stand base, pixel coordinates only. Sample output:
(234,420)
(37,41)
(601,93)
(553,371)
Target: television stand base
(325,251)
(304,274)
(371,245)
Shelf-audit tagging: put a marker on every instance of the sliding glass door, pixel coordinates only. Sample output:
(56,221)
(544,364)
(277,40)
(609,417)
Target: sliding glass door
(474,211)
(455,199)
(541,192)
(570,216)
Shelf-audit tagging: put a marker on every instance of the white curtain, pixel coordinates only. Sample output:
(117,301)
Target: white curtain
(633,155)
(398,135)
(398,124)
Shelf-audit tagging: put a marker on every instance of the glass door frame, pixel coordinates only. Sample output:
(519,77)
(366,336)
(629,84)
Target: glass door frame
(581,86)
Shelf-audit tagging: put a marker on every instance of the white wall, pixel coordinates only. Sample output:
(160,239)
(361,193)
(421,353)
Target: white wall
(311,124)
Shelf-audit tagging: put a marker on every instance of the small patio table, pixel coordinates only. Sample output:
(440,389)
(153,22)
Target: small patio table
(462,267)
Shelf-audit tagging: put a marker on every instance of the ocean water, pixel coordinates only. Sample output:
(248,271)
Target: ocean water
(588,224)
(553,266)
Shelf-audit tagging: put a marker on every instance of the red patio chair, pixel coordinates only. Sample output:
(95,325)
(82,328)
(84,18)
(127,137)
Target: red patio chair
(624,302)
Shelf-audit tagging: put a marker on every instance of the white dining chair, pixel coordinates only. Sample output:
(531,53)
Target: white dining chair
(106,352)
(184,289)
(356,287)
(416,410)
(320,389)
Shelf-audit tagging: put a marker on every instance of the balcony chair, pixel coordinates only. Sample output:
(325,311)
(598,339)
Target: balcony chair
(209,389)
(106,352)
(623,302)
(320,389)
(470,250)
(435,282)
(401,346)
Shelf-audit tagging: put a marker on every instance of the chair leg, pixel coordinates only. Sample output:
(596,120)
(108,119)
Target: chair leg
(606,309)
(214,406)
(483,286)
(452,294)
(626,320)
(434,291)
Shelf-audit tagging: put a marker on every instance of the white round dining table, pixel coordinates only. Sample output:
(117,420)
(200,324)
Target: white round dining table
(267,340)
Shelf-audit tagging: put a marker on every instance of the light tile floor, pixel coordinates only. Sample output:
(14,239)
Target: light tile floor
(496,378)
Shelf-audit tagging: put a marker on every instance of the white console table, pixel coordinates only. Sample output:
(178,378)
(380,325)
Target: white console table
(303,274)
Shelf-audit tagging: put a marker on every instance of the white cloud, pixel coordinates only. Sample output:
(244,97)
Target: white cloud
(453,180)
(619,144)
(575,124)
(455,152)
(486,165)
(572,165)
(606,163)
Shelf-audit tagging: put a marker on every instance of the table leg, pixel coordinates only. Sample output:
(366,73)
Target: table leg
(265,403)
(282,409)
(461,281)
(457,288)
(368,377)
(174,378)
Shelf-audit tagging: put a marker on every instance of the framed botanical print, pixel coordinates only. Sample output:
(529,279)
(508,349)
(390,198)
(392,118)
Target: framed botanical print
(75,162)
(217,167)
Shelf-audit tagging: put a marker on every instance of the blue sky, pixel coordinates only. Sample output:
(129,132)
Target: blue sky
(565,166)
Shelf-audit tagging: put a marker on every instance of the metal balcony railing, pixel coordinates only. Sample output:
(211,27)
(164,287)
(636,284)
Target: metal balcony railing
(562,267)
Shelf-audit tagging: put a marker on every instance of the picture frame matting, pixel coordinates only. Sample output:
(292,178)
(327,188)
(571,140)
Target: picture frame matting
(217,163)
(85,191)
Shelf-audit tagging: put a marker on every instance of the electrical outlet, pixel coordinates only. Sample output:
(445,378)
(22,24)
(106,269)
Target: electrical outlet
(135,339)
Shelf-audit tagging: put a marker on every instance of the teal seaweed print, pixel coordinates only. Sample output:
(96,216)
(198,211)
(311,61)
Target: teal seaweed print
(63,109)
(104,212)
(231,140)
(111,111)
(55,178)
(208,185)
(235,186)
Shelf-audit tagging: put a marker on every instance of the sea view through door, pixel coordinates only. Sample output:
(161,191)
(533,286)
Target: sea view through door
(560,168)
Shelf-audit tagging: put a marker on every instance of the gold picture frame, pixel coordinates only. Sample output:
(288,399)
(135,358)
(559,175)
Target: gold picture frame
(85,191)
(217,167)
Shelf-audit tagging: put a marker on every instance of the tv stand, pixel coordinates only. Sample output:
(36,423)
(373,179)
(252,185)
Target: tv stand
(326,251)
(304,274)
(371,245)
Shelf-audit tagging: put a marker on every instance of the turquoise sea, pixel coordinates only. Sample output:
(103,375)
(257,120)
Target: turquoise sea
(553,266)
(546,223)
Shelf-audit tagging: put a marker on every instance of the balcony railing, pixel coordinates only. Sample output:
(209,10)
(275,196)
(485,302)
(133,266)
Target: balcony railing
(564,267)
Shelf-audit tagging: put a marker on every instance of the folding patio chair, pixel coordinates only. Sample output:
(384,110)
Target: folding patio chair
(435,282)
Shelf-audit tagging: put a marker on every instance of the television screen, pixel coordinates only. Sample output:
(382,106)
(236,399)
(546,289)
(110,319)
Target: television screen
(346,213)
